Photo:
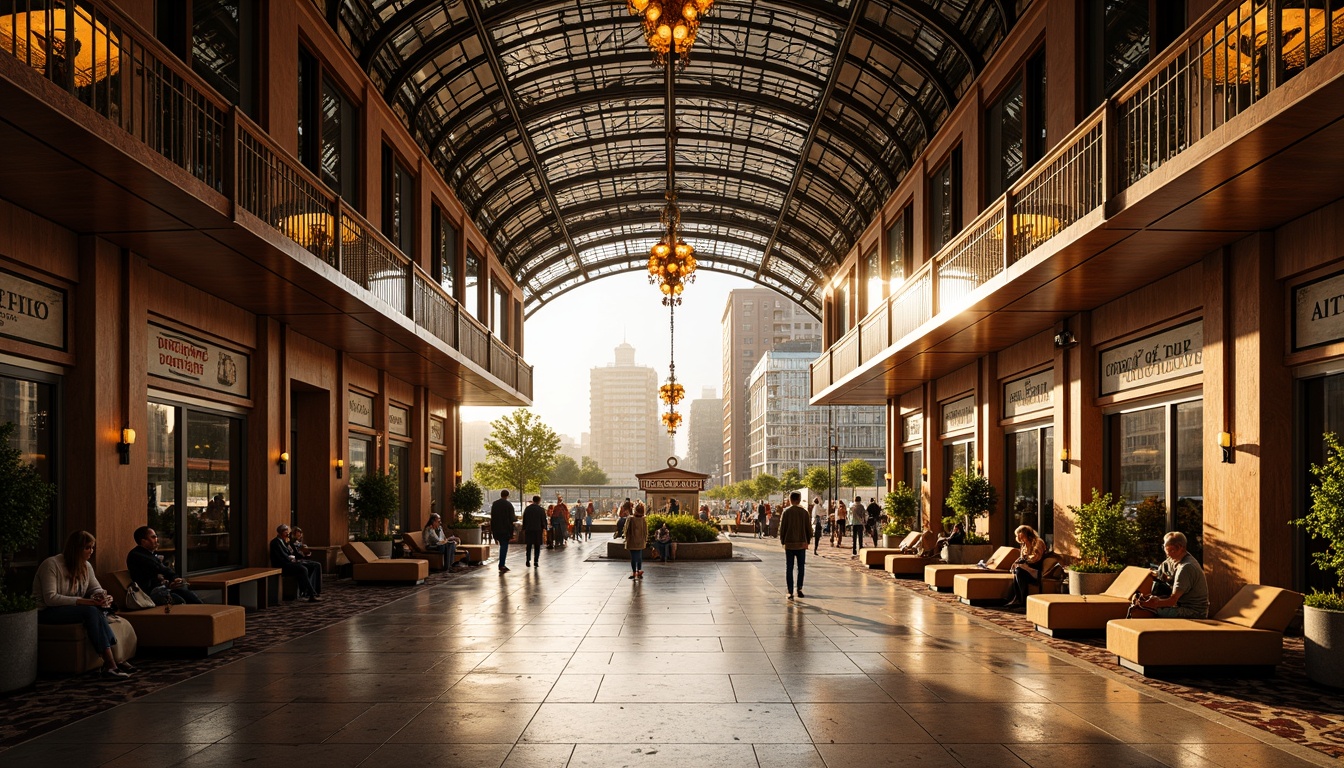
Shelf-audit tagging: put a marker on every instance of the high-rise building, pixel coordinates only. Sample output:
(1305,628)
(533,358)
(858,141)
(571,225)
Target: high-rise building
(474,435)
(754,321)
(704,448)
(623,416)
(785,432)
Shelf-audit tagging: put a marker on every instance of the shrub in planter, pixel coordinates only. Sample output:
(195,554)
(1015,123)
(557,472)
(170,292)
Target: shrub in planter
(1104,533)
(1324,613)
(970,496)
(25,503)
(684,528)
(374,502)
(902,508)
(467,501)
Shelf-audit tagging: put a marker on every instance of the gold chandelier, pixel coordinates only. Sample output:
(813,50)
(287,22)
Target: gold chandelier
(672,420)
(672,261)
(670,25)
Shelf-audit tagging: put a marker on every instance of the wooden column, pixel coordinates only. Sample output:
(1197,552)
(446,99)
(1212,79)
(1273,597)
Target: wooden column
(267,431)
(1079,427)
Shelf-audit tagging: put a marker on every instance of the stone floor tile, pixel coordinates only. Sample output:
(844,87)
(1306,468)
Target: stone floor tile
(666,688)
(758,688)
(314,722)
(1083,756)
(661,755)
(984,756)
(976,687)
(1155,722)
(441,753)
(468,723)
(788,756)
(581,689)
(489,687)
(539,756)
(232,755)
(657,723)
(888,755)
(865,723)
(377,723)
(1004,723)
(833,688)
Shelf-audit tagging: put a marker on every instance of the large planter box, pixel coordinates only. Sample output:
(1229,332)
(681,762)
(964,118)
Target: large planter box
(967,554)
(468,535)
(1090,583)
(702,550)
(891,542)
(1324,645)
(18,636)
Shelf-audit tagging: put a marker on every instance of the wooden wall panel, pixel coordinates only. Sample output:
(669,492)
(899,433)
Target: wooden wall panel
(37,246)
(912,400)
(185,306)
(1315,241)
(268,494)
(1149,307)
(1078,427)
(1034,352)
(280,75)
(954,384)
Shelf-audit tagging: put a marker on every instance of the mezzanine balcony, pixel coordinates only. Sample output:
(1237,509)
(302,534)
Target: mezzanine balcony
(1232,130)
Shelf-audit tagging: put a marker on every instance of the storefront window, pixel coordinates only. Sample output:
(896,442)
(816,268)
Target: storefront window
(1157,455)
(958,456)
(361,449)
(28,405)
(161,454)
(914,477)
(1031,481)
(437,467)
(1322,411)
(399,465)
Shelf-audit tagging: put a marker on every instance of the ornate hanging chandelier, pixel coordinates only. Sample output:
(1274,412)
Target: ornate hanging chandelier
(670,26)
(672,392)
(672,260)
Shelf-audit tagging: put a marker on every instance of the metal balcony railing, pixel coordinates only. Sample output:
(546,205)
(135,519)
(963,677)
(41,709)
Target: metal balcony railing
(127,77)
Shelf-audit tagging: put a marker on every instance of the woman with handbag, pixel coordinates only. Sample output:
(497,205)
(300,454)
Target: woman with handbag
(68,592)
(1027,569)
(636,539)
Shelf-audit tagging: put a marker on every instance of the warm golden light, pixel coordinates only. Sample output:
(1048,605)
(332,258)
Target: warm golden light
(128,436)
(45,36)
(314,230)
(284,456)
(670,26)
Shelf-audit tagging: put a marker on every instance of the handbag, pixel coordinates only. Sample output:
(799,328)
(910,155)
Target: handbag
(136,599)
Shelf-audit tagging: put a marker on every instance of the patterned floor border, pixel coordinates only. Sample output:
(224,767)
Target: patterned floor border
(1287,705)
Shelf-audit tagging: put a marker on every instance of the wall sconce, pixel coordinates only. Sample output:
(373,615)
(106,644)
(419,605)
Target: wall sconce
(283,462)
(124,447)
(1225,443)
(427,471)
(978,466)
(1064,460)
(340,468)
(924,472)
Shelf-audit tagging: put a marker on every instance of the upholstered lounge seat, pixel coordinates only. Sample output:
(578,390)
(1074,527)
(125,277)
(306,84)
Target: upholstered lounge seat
(368,567)
(1247,632)
(415,545)
(987,587)
(64,649)
(939,576)
(913,564)
(876,557)
(1083,613)
(205,628)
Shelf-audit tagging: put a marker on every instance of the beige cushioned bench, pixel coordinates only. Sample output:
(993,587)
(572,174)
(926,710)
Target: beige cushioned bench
(940,576)
(1247,632)
(368,567)
(64,649)
(997,586)
(476,553)
(913,564)
(876,557)
(415,545)
(206,628)
(1082,613)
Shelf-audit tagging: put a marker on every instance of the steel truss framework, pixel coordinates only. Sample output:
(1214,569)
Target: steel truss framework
(796,120)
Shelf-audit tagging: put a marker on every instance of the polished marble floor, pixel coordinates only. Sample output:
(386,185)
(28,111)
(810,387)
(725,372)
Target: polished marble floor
(700,664)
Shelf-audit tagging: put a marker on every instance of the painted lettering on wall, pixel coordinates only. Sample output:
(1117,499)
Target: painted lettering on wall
(31,311)
(399,420)
(1171,354)
(665,484)
(361,409)
(181,357)
(959,415)
(913,428)
(1029,394)
(436,431)
(1318,312)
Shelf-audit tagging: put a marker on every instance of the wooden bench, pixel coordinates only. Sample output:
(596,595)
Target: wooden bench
(415,547)
(231,582)
(476,553)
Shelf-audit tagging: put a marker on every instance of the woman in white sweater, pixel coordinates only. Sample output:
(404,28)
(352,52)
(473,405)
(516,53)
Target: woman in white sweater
(68,592)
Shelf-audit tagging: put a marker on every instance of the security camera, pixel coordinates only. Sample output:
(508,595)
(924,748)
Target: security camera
(1065,339)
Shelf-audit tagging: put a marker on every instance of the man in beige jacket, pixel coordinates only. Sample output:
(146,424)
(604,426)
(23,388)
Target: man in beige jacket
(795,529)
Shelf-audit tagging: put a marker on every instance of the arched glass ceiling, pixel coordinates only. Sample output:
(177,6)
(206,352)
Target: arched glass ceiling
(796,119)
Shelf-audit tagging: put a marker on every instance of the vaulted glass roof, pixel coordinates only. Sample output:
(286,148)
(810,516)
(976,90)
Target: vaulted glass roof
(796,119)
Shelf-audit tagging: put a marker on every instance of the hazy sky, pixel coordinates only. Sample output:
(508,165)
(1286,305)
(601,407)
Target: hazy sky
(581,329)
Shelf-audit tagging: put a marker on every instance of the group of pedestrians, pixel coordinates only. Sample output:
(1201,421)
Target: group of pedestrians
(548,525)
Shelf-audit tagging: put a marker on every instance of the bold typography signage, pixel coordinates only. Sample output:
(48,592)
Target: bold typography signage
(912,429)
(1029,394)
(361,409)
(1318,312)
(177,356)
(1172,354)
(436,431)
(959,415)
(31,311)
(671,484)
(399,420)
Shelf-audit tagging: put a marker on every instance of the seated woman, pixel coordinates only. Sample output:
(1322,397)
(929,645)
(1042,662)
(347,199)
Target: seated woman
(437,541)
(662,541)
(1027,569)
(68,592)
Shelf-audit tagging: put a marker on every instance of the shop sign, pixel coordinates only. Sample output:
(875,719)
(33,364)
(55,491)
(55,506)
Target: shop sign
(399,420)
(31,312)
(1029,394)
(913,428)
(180,357)
(671,484)
(361,409)
(436,430)
(1318,312)
(1166,356)
(959,415)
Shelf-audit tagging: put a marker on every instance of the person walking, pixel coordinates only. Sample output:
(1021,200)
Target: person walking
(874,512)
(857,515)
(794,528)
(559,521)
(588,522)
(636,539)
(622,517)
(817,523)
(534,530)
(502,518)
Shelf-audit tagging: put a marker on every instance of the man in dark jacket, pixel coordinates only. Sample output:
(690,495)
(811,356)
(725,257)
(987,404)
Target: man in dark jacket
(147,569)
(795,530)
(307,574)
(534,530)
(502,518)
(874,513)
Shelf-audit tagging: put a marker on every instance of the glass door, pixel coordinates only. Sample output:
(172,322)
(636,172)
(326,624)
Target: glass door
(1031,481)
(1156,455)
(399,465)
(29,404)
(914,477)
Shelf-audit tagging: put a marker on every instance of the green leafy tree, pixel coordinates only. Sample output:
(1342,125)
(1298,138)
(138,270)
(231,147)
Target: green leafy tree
(520,453)
(902,508)
(1104,533)
(790,479)
(1325,520)
(565,471)
(25,503)
(857,473)
(970,496)
(765,485)
(591,474)
(467,501)
(375,501)
(818,480)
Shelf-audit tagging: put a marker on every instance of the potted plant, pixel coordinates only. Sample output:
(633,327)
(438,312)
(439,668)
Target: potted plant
(971,496)
(1105,535)
(1323,612)
(467,501)
(901,506)
(375,502)
(25,503)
